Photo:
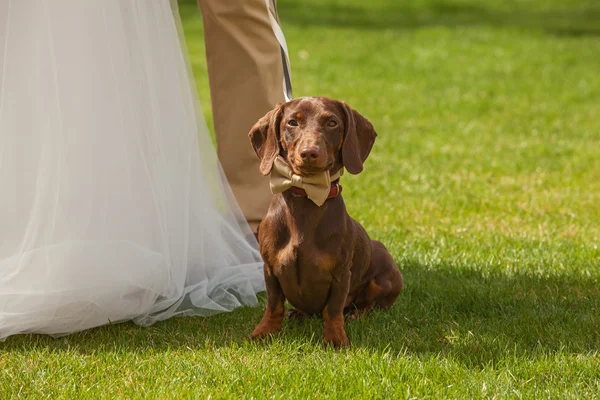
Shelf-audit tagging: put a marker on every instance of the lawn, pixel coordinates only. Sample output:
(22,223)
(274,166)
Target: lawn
(484,183)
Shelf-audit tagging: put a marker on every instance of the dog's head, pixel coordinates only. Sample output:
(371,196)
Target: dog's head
(313,134)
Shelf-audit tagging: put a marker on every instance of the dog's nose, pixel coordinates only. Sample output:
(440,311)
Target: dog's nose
(309,153)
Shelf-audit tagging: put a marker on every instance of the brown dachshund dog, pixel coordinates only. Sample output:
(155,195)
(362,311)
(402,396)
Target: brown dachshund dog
(317,257)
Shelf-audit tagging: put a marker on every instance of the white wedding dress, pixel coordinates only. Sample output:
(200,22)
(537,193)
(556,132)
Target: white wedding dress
(112,203)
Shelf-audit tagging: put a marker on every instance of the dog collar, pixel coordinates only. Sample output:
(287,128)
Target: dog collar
(334,191)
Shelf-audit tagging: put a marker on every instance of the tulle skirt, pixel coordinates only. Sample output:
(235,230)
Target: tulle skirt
(112,202)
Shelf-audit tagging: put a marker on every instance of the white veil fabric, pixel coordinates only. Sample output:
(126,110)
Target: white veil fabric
(113,205)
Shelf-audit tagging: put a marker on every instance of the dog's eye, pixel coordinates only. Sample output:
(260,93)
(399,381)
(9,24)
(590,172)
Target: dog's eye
(332,123)
(292,122)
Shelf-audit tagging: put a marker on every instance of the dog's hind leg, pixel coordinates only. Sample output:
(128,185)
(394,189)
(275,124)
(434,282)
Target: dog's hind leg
(387,283)
(382,290)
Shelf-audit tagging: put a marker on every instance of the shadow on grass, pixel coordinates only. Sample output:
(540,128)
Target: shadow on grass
(479,319)
(566,20)
(446,312)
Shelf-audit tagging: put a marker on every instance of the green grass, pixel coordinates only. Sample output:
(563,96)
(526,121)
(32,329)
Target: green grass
(484,183)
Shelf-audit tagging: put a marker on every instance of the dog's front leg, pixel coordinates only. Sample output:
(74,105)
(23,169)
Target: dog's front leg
(333,314)
(273,317)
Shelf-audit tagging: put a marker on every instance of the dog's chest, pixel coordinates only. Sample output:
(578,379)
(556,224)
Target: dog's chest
(305,274)
(299,262)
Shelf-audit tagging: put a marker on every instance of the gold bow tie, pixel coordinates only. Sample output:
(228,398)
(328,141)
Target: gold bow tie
(316,186)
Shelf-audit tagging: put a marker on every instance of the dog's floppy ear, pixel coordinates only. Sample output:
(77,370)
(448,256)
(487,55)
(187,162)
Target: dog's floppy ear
(358,140)
(264,137)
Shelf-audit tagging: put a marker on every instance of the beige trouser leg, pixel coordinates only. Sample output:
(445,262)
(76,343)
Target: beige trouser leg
(245,73)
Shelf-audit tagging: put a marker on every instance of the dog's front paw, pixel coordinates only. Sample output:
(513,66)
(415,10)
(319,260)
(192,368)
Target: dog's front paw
(337,341)
(335,336)
(334,333)
(263,331)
